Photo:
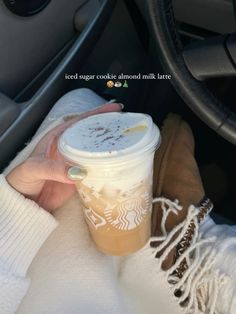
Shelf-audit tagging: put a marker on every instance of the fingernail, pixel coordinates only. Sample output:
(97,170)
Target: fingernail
(112,101)
(76,173)
(122,106)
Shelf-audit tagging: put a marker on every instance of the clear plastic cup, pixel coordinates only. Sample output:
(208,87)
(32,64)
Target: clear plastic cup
(116,150)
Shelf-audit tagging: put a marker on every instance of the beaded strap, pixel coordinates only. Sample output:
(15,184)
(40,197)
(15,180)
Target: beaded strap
(205,208)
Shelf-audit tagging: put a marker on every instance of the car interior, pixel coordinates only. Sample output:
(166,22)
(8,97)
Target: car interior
(49,48)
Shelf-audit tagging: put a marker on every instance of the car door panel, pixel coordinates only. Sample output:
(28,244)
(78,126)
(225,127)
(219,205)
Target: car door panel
(53,87)
(27,44)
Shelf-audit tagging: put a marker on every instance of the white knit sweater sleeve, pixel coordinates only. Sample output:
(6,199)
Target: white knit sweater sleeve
(24,227)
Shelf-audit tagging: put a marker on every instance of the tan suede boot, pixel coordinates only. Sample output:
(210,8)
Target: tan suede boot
(176,175)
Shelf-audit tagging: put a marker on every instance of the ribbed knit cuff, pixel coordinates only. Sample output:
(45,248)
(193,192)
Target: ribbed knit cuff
(24,227)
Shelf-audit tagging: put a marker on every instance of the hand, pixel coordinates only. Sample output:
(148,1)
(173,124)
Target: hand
(43,177)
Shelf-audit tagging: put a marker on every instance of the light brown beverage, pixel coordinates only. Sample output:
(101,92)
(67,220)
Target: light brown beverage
(117,154)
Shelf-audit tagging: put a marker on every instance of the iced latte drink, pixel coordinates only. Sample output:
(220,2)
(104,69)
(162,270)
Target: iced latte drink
(116,150)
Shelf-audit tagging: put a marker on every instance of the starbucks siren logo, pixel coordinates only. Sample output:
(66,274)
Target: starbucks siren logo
(129,213)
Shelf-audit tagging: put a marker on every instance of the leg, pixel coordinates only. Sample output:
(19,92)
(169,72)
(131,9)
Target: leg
(204,270)
(74,102)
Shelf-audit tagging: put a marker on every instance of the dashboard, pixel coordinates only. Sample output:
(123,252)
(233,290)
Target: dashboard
(212,15)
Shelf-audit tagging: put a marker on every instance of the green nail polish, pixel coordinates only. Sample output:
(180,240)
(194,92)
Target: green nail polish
(76,173)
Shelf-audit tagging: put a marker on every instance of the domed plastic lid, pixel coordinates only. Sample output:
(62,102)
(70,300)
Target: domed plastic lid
(109,136)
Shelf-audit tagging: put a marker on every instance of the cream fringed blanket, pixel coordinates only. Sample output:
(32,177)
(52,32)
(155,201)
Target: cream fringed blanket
(69,276)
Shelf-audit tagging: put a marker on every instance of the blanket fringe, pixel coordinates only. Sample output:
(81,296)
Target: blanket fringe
(197,290)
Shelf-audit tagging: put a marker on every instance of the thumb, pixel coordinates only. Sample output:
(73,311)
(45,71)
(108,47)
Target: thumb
(55,170)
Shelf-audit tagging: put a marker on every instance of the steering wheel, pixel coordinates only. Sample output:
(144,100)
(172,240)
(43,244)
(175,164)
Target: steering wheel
(192,65)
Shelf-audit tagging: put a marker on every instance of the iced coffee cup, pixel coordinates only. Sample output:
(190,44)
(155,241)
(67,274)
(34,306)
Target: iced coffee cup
(116,151)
